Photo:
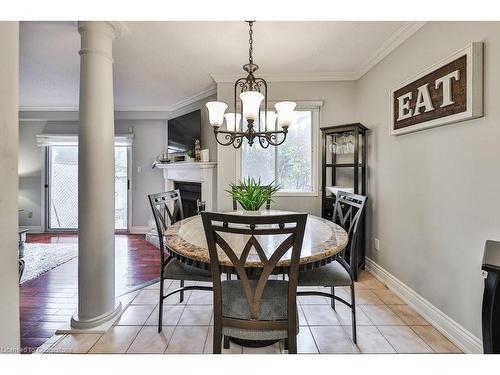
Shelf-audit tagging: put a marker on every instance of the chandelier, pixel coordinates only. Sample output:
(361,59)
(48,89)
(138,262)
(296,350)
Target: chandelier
(272,127)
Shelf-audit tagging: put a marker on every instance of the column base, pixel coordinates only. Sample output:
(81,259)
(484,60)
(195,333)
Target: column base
(78,323)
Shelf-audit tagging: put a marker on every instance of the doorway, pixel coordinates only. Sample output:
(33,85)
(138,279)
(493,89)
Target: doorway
(62,188)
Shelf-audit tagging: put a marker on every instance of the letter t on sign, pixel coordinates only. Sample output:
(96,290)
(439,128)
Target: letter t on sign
(446,82)
(404,110)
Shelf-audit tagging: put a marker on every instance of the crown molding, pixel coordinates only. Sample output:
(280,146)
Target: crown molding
(193,99)
(289,77)
(389,45)
(172,108)
(394,41)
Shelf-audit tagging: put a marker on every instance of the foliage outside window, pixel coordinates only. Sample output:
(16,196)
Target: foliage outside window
(291,164)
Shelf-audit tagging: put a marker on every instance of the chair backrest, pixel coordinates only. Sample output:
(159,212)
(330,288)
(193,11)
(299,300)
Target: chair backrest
(347,212)
(292,227)
(167,209)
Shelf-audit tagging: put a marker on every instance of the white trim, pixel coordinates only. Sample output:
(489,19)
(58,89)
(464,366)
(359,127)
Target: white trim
(474,104)
(140,229)
(193,99)
(460,336)
(289,77)
(187,165)
(32,228)
(393,42)
(72,140)
(171,108)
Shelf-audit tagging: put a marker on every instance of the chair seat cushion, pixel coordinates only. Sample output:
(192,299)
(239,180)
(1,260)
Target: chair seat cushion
(273,306)
(181,271)
(332,274)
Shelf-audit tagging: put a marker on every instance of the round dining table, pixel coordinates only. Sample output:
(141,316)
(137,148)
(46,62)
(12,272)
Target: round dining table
(323,240)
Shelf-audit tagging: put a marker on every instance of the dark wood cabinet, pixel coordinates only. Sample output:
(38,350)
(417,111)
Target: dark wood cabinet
(344,164)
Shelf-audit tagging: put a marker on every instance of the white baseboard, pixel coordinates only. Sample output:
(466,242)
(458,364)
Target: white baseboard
(139,229)
(32,229)
(457,334)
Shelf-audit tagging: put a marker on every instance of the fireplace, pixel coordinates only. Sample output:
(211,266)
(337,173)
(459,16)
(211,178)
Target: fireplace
(190,195)
(196,181)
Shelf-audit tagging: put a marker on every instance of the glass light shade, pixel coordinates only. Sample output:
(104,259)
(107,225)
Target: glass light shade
(271,120)
(251,104)
(230,124)
(285,113)
(216,113)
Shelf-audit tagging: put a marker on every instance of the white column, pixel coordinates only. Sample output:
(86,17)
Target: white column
(96,178)
(9,128)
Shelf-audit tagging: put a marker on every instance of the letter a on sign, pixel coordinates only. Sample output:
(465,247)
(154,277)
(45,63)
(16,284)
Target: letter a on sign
(423,99)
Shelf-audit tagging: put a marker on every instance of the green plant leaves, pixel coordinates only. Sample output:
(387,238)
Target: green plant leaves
(250,194)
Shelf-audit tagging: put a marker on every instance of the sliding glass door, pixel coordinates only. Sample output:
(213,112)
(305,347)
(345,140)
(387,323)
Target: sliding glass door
(62,184)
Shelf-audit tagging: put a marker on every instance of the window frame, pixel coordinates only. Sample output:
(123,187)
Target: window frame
(314,107)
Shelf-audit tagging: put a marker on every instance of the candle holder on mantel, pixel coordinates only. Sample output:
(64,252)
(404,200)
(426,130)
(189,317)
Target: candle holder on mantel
(344,164)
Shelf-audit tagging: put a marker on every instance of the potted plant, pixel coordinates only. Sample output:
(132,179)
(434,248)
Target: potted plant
(190,156)
(250,194)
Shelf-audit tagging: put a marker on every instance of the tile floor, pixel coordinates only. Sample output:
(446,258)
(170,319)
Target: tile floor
(385,325)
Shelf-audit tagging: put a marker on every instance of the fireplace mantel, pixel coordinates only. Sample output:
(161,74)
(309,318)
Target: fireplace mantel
(202,172)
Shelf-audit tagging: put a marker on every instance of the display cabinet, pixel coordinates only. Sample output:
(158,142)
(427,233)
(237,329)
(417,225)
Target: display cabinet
(344,164)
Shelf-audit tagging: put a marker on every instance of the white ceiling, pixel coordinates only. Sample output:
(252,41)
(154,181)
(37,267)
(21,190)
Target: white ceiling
(159,65)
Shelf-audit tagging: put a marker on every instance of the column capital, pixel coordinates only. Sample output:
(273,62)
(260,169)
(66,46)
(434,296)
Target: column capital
(114,29)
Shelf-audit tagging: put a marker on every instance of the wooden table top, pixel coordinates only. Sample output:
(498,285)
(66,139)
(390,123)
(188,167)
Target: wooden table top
(322,241)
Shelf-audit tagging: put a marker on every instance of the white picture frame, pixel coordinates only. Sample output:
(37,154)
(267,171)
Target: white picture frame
(474,97)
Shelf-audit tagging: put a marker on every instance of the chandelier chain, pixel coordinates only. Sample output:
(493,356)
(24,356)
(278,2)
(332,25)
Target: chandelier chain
(250,41)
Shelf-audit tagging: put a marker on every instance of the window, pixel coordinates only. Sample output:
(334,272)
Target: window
(293,164)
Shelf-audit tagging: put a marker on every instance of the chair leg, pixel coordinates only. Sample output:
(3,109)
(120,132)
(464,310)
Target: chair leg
(160,306)
(353,309)
(181,293)
(292,344)
(226,342)
(286,344)
(217,342)
(332,290)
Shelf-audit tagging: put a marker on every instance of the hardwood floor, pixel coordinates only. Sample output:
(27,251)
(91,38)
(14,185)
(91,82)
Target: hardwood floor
(49,300)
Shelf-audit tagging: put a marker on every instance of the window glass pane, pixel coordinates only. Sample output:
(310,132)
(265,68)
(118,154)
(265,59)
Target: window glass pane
(257,162)
(121,182)
(289,164)
(63,202)
(295,155)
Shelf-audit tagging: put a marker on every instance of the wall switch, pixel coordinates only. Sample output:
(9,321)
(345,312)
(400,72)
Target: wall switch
(30,215)
(377,244)
(139,169)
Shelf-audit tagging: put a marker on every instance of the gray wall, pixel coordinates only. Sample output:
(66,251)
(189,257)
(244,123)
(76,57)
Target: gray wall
(30,174)
(149,142)
(338,108)
(9,93)
(434,194)
(207,133)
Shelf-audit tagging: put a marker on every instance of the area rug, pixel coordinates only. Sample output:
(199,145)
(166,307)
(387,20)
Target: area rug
(40,258)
